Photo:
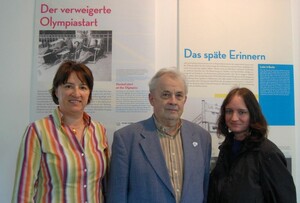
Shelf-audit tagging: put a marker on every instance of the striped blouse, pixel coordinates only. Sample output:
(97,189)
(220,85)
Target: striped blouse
(54,167)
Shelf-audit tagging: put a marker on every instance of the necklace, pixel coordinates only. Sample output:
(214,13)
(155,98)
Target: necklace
(77,130)
(74,131)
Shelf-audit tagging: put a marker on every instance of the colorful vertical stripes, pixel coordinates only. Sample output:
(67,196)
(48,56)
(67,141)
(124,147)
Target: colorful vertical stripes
(53,166)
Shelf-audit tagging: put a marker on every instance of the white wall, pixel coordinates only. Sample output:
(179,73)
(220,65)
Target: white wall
(296,39)
(16,22)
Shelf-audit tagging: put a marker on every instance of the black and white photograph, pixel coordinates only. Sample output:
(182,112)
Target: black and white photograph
(92,47)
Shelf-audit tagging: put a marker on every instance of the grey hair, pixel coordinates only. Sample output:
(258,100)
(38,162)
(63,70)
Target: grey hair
(173,72)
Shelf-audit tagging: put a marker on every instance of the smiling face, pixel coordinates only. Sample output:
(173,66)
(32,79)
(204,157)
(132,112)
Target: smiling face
(237,117)
(168,99)
(73,95)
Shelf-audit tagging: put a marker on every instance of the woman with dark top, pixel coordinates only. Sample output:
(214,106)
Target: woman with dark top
(250,168)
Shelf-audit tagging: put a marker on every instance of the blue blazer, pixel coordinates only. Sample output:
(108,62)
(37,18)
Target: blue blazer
(138,171)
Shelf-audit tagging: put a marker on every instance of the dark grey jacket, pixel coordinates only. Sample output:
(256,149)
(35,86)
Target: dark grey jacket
(258,174)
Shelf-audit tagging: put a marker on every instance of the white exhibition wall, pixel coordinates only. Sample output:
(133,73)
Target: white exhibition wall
(16,40)
(16,21)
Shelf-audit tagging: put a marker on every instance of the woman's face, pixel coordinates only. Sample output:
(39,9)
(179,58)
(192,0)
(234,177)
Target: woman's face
(73,95)
(237,117)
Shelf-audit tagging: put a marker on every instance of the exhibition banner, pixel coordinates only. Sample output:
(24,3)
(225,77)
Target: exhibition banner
(227,44)
(114,39)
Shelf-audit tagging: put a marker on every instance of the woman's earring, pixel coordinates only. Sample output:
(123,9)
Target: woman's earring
(228,130)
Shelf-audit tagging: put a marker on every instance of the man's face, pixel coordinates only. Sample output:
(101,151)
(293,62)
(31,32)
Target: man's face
(168,100)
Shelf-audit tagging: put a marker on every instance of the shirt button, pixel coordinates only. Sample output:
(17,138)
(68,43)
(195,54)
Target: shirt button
(82,154)
(85,170)
(84,186)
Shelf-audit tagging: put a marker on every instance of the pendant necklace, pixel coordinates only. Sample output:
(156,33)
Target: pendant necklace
(74,131)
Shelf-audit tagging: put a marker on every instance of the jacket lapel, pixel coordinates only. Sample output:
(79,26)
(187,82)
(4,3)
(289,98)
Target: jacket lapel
(190,145)
(152,149)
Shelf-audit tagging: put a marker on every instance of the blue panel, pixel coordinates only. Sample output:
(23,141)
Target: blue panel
(276,93)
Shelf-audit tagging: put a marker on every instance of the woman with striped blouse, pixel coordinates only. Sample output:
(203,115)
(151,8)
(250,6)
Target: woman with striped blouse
(64,156)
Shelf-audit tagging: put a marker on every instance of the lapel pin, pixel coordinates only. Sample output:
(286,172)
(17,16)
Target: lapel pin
(195,144)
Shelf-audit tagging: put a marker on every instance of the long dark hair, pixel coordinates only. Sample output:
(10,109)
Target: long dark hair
(258,124)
